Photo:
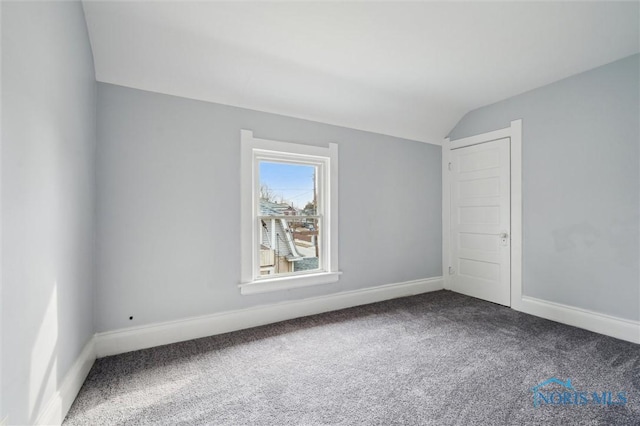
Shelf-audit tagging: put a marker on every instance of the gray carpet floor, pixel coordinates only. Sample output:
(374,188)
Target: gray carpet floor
(434,359)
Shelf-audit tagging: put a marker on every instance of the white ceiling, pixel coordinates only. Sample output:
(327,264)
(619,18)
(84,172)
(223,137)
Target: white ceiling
(404,69)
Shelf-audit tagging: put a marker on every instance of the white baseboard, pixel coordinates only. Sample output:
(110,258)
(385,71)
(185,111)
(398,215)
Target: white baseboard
(58,405)
(593,321)
(135,338)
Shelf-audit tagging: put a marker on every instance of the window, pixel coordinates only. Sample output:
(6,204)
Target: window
(289,210)
(290,214)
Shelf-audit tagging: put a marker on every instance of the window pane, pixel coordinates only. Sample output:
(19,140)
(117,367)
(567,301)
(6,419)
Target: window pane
(307,244)
(287,189)
(288,244)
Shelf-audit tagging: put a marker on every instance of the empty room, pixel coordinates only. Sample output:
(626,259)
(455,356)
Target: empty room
(319,213)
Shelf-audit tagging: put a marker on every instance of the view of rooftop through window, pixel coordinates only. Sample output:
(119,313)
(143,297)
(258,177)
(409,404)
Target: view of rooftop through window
(285,183)
(288,216)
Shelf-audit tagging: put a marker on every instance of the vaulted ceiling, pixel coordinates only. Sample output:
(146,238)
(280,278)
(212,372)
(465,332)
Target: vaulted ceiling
(410,70)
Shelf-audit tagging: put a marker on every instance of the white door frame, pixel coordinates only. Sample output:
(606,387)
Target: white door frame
(514,133)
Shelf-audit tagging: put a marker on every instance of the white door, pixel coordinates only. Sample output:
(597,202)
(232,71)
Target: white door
(481,221)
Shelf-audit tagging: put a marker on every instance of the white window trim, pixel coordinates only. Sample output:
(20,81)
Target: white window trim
(251,148)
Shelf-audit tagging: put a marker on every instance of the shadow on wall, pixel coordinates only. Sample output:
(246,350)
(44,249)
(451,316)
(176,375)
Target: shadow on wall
(618,243)
(576,237)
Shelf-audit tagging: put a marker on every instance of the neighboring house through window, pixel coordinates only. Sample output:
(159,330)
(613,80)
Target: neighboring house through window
(289,214)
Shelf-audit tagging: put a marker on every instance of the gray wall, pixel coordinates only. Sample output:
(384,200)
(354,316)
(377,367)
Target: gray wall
(168,226)
(580,186)
(48,144)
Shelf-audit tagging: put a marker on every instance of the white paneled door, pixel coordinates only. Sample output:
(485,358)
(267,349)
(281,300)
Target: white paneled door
(481,221)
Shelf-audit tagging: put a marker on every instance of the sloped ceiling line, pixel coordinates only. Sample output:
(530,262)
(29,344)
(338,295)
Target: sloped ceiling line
(409,70)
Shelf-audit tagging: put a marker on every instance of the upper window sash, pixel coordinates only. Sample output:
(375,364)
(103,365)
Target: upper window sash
(322,164)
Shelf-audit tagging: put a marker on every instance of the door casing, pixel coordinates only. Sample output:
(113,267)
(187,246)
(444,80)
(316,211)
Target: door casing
(514,133)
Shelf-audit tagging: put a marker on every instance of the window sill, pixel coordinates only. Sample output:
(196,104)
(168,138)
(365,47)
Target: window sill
(286,283)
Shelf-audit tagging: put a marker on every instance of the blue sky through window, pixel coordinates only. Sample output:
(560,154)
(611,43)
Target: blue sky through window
(291,183)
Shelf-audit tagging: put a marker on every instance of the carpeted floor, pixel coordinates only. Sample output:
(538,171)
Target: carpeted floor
(434,359)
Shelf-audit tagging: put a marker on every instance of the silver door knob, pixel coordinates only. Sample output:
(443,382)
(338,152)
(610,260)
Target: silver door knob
(504,235)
